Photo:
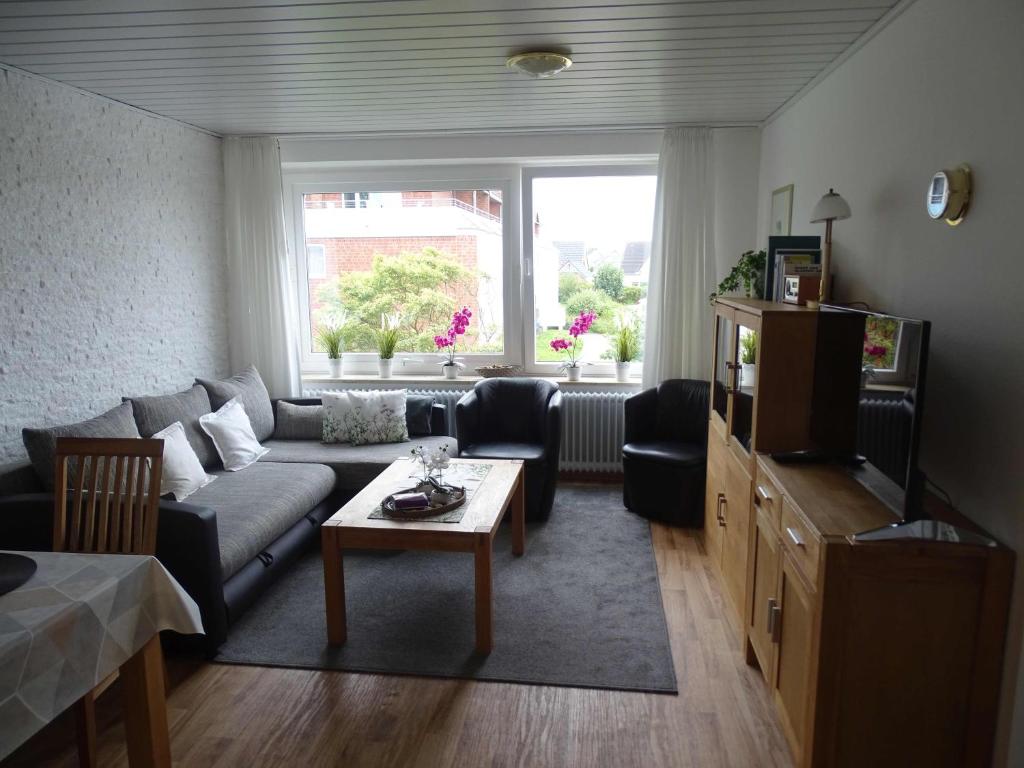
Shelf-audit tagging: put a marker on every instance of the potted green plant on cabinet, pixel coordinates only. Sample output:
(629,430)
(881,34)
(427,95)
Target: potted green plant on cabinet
(748,358)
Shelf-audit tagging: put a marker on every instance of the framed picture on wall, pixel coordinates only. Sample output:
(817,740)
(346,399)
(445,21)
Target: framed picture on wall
(782,212)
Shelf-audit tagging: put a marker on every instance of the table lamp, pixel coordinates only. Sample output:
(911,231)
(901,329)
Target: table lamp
(830,208)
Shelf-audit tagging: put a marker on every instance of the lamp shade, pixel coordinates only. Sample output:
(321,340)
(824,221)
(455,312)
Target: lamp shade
(830,207)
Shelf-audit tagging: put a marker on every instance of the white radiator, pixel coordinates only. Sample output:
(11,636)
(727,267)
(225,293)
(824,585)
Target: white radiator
(593,428)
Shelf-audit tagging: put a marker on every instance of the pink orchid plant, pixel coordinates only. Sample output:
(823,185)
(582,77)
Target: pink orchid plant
(579,327)
(458,326)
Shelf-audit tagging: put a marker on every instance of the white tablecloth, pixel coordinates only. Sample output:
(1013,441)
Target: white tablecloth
(79,618)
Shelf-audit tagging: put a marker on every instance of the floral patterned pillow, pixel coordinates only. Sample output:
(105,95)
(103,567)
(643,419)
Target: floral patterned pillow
(362,418)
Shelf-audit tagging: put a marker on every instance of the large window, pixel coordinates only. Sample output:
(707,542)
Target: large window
(411,246)
(589,248)
(409,257)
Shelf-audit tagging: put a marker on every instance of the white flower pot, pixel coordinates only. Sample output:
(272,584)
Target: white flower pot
(450,371)
(573,372)
(748,374)
(384,367)
(622,372)
(334,364)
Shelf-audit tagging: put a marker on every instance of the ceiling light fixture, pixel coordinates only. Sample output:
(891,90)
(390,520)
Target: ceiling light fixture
(539,64)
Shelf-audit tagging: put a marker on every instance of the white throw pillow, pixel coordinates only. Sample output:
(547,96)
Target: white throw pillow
(232,436)
(361,418)
(182,475)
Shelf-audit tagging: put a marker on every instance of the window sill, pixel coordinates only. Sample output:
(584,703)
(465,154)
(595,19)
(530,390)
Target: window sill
(606,383)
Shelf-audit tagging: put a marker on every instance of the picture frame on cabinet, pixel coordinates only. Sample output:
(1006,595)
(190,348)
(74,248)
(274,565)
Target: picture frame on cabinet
(781,222)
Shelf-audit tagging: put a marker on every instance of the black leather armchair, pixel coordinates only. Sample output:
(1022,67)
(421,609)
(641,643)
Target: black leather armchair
(665,456)
(515,418)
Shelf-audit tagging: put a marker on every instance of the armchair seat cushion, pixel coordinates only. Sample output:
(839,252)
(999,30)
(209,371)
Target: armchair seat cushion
(256,505)
(529,452)
(666,452)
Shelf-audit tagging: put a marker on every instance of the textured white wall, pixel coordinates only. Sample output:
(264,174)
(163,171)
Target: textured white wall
(939,86)
(111,256)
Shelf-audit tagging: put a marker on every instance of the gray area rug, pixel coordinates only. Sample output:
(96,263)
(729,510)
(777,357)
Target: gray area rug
(581,608)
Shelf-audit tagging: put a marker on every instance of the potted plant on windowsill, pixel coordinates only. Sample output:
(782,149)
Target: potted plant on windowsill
(331,339)
(625,349)
(573,368)
(748,359)
(446,342)
(387,341)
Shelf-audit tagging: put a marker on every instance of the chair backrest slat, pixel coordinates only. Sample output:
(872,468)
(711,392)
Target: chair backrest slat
(113,539)
(97,516)
(89,524)
(103,504)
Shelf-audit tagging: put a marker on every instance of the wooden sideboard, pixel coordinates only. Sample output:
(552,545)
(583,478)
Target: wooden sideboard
(876,653)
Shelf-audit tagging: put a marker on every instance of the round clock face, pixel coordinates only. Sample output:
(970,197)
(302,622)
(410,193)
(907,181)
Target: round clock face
(938,195)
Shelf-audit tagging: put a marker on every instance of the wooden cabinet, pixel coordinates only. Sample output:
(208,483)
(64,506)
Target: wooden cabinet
(727,518)
(781,375)
(783,369)
(794,633)
(735,524)
(882,653)
(762,618)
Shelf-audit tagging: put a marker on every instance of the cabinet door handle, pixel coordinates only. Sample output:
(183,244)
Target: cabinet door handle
(734,386)
(759,494)
(724,505)
(770,629)
(795,537)
(718,507)
(776,622)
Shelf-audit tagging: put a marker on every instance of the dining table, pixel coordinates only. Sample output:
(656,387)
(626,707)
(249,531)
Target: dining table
(78,619)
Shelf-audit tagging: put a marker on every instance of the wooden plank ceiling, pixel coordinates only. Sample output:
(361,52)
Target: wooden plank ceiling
(300,66)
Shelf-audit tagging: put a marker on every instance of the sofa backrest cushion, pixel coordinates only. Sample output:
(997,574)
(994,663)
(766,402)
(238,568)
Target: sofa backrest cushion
(302,418)
(157,413)
(41,444)
(251,392)
(417,414)
(299,422)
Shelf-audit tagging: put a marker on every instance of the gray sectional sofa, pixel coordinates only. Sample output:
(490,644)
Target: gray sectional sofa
(230,539)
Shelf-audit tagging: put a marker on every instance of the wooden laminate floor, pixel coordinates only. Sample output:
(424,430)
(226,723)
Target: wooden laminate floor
(253,716)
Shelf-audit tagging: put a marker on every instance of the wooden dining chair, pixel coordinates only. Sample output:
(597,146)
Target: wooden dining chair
(106,500)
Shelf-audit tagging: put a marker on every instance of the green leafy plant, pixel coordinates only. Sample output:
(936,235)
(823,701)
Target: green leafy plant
(424,287)
(631,294)
(331,339)
(748,348)
(748,274)
(598,302)
(569,283)
(625,343)
(388,337)
(608,278)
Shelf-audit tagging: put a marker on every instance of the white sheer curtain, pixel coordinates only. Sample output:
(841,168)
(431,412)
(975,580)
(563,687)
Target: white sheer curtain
(682,272)
(262,322)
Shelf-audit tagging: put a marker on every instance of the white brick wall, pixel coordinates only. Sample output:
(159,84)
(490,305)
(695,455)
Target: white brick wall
(111,256)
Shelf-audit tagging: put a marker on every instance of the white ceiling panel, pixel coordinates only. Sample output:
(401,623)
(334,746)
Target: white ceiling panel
(367,66)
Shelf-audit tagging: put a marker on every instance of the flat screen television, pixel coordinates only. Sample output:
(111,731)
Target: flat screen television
(879,398)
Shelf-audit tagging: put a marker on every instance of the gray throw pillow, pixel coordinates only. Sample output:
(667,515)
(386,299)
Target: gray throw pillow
(299,422)
(41,444)
(248,387)
(154,414)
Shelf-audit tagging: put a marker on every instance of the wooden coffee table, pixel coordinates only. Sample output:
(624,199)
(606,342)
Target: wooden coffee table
(350,528)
